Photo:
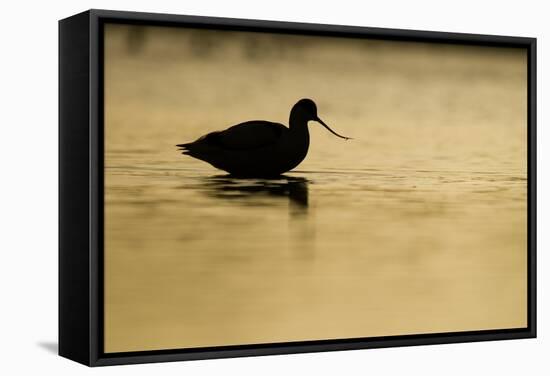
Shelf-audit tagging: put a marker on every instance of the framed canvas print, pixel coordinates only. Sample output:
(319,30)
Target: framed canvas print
(236,187)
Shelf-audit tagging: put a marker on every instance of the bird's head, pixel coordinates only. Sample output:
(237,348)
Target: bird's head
(306,110)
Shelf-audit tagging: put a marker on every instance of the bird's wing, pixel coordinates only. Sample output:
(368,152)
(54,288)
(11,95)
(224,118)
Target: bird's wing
(246,136)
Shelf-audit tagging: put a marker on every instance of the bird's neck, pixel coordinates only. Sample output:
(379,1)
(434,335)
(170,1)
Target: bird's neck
(298,123)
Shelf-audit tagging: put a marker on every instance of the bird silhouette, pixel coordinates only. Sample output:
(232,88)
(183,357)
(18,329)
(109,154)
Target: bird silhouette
(259,148)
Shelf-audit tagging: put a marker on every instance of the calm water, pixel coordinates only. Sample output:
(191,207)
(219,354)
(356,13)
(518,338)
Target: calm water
(417,225)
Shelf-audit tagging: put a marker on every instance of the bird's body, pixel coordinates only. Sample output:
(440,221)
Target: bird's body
(253,148)
(258,148)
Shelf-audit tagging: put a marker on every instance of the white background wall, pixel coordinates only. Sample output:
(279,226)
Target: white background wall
(28,147)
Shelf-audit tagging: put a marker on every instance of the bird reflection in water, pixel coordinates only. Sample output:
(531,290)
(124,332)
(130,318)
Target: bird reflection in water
(260,192)
(251,191)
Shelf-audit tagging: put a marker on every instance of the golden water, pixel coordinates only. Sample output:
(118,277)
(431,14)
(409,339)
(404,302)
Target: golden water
(418,225)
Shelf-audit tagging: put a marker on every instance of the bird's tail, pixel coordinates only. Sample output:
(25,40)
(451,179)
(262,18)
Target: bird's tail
(184,148)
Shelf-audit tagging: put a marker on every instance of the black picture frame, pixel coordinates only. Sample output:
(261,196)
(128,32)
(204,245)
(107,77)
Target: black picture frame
(81,187)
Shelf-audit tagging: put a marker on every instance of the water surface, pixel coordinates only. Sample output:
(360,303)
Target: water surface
(418,225)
